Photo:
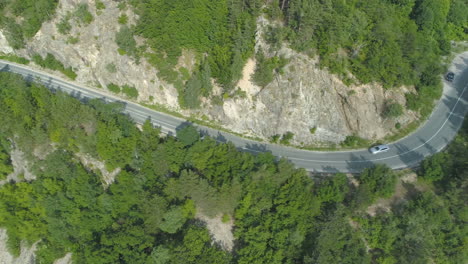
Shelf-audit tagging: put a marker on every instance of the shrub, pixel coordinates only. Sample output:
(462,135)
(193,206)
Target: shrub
(275,138)
(83,15)
(130,91)
(313,130)
(113,88)
(392,110)
(353,141)
(286,138)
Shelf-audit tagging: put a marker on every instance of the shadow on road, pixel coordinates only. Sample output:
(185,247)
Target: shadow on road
(456,117)
(5,68)
(255,148)
(357,164)
(411,158)
(328,170)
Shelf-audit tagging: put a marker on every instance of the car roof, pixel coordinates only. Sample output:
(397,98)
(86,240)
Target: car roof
(382,145)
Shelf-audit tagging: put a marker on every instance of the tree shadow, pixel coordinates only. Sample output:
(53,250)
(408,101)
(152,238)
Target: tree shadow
(356,164)
(411,158)
(458,108)
(326,171)
(5,68)
(256,148)
(184,125)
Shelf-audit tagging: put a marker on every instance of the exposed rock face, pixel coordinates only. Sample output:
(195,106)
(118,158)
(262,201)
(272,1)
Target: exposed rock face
(301,98)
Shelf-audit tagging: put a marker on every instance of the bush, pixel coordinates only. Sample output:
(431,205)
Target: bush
(130,91)
(83,15)
(313,130)
(286,138)
(113,88)
(353,141)
(392,110)
(275,138)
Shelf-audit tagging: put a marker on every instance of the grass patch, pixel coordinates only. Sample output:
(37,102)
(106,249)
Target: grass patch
(14,58)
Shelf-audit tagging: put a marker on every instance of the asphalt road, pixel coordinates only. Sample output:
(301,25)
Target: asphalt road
(432,137)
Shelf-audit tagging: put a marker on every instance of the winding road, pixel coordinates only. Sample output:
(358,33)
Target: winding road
(433,136)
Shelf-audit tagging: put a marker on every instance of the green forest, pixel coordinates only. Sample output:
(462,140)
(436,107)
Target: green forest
(147,215)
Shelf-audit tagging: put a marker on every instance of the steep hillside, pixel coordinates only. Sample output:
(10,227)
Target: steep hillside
(263,69)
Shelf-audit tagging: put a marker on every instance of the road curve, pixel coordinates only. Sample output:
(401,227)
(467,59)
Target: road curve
(431,137)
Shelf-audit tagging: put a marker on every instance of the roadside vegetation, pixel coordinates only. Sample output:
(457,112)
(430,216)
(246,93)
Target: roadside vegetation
(128,90)
(50,62)
(147,215)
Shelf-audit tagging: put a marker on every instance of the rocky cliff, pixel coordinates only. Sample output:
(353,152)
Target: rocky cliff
(302,98)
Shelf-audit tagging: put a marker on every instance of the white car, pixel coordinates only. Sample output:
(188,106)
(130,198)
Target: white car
(379,148)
